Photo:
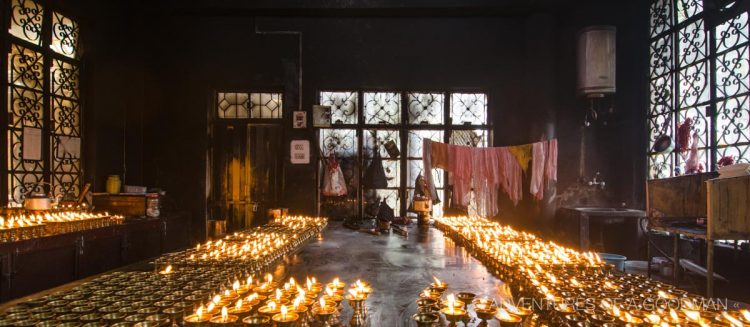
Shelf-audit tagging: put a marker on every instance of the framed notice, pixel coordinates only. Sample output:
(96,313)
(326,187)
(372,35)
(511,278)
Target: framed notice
(32,144)
(300,119)
(321,116)
(300,152)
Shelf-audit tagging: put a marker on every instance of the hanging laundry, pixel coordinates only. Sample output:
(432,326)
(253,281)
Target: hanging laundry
(512,175)
(428,165)
(460,170)
(550,170)
(484,170)
(522,154)
(536,187)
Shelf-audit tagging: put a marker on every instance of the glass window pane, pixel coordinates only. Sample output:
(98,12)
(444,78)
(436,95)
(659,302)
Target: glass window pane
(233,105)
(66,167)
(342,142)
(64,35)
(426,108)
(702,159)
(415,141)
(732,72)
(469,108)
(26,20)
(693,85)
(738,152)
(265,105)
(661,93)
(26,108)
(658,125)
(343,106)
(475,138)
(25,67)
(391,198)
(660,166)
(416,167)
(661,56)
(392,170)
(66,117)
(382,108)
(731,33)
(661,16)
(693,44)
(377,138)
(688,8)
(701,125)
(732,121)
(64,79)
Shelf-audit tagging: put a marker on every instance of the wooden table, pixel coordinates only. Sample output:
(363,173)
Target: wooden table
(692,232)
(33,265)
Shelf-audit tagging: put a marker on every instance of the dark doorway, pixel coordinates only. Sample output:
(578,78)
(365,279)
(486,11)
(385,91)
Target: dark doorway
(246,172)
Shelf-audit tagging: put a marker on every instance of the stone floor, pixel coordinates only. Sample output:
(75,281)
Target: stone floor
(397,267)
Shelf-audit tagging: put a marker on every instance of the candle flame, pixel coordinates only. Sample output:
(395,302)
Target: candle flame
(451,300)
(662,294)
(437,281)
(745,314)
(692,315)
(502,314)
(238,306)
(322,303)
(510,307)
(309,284)
(269,278)
(297,302)
(271,305)
(168,269)
(616,311)
(336,281)
(236,285)
(199,312)
(283,311)
(329,291)
(291,281)
(653,319)
(224,313)
(732,320)
(249,280)
(211,307)
(278,294)
(673,315)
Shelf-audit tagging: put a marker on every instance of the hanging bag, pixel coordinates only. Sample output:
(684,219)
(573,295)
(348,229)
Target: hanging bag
(375,173)
(334,183)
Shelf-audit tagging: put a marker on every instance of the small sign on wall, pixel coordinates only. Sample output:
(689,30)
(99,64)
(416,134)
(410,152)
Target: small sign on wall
(300,119)
(300,151)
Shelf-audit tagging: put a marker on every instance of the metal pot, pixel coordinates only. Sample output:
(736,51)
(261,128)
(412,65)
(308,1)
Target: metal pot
(37,202)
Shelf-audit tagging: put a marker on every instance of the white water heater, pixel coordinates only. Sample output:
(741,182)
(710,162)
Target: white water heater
(596,61)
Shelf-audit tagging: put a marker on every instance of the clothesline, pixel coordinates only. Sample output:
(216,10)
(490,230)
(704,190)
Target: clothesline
(485,170)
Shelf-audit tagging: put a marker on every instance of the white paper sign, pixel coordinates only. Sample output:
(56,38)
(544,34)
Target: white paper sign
(70,147)
(300,152)
(300,119)
(32,143)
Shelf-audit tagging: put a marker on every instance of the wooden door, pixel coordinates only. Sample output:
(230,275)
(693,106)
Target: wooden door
(246,173)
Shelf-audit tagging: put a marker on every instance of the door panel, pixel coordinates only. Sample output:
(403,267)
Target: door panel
(246,172)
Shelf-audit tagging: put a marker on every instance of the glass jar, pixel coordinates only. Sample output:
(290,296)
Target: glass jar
(152,205)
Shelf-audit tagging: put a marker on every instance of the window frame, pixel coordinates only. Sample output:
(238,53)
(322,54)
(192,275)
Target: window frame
(48,96)
(675,30)
(403,128)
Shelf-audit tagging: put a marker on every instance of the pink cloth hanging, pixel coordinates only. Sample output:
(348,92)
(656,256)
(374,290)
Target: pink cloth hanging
(550,170)
(460,170)
(484,170)
(537,170)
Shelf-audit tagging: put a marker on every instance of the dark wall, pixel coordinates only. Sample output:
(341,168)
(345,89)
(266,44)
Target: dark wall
(152,75)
